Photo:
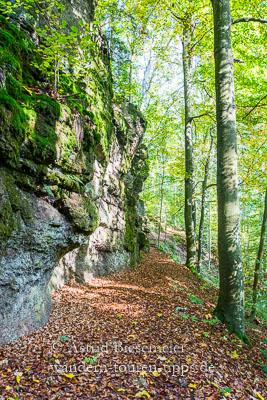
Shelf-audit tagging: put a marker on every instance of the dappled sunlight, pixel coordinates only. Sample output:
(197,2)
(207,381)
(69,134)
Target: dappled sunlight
(73,290)
(77,294)
(102,286)
(179,284)
(123,310)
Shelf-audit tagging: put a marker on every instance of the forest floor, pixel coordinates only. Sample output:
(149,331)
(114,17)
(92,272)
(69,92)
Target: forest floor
(142,333)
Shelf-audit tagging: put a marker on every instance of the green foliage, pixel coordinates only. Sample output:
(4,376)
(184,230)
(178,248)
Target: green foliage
(14,119)
(195,299)
(6,38)
(130,237)
(8,102)
(57,48)
(185,317)
(63,54)
(264,353)
(64,339)
(171,249)
(212,322)
(10,63)
(47,106)
(14,87)
(225,390)
(90,360)
(145,48)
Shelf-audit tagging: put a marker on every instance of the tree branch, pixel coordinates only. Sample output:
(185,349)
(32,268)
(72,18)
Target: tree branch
(249,19)
(212,184)
(202,37)
(256,105)
(200,115)
(176,16)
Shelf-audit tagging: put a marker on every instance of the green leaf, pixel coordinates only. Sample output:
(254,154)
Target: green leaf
(74,29)
(185,316)
(64,339)
(226,390)
(264,353)
(90,360)
(195,299)
(212,322)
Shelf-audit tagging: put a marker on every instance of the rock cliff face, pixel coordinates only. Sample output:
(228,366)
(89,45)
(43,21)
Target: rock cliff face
(70,179)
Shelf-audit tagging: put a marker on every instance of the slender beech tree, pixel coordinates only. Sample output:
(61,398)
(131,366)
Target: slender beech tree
(230,306)
(203,205)
(161,199)
(209,234)
(259,259)
(188,27)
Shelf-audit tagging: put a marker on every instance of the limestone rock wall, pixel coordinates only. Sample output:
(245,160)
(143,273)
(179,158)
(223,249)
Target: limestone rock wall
(70,179)
(114,187)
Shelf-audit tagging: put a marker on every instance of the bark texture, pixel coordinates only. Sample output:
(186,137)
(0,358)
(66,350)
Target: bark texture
(189,166)
(203,205)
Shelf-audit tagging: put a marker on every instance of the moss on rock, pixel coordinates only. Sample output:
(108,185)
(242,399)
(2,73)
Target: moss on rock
(131,234)
(82,212)
(11,202)
(12,128)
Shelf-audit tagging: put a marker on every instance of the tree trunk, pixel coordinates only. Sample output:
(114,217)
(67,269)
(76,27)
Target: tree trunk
(247,246)
(56,74)
(209,236)
(161,201)
(194,215)
(189,168)
(230,307)
(203,204)
(259,259)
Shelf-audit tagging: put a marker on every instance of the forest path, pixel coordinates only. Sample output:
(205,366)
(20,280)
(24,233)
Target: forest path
(129,321)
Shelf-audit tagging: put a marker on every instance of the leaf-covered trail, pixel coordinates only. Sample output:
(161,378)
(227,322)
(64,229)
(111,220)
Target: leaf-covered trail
(135,334)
